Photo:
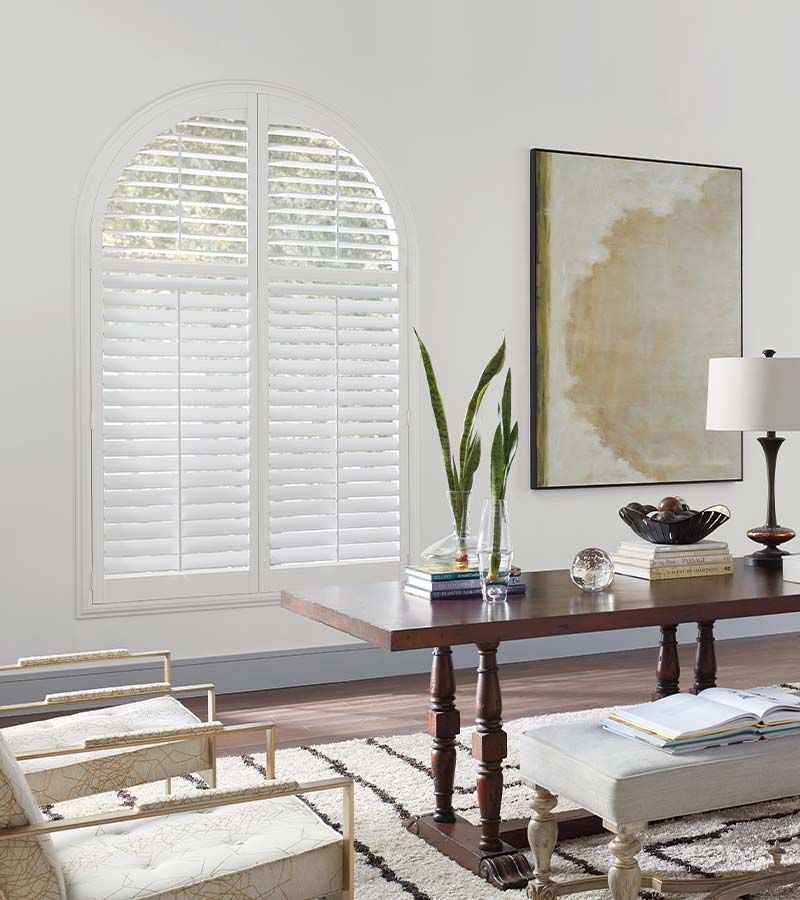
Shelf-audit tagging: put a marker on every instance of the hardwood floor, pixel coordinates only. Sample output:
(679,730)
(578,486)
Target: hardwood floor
(333,712)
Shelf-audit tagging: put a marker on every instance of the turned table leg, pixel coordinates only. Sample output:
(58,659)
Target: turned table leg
(542,837)
(705,666)
(625,876)
(668,673)
(444,724)
(489,746)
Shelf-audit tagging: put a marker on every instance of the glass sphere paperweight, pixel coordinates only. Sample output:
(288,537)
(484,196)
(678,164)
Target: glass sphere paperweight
(592,569)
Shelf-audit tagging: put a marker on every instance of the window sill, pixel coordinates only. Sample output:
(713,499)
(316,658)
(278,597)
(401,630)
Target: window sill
(184,604)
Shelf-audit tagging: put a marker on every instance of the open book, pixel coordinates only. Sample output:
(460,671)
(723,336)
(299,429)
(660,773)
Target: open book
(717,716)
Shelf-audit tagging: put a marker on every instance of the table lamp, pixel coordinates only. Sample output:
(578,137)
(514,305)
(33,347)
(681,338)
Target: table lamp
(758,394)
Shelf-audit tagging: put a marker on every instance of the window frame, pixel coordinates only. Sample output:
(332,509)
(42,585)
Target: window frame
(264,102)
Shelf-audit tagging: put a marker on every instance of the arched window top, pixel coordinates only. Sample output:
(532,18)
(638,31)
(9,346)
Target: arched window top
(185,194)
(325,208)
(246,294)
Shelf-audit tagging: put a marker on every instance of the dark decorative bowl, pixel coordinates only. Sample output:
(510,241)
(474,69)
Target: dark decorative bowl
(685,531)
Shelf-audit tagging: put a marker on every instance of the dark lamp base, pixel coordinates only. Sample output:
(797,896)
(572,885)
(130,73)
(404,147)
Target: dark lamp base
(769,557)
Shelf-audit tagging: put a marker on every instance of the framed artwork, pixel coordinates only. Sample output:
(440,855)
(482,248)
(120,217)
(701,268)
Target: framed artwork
(636,281)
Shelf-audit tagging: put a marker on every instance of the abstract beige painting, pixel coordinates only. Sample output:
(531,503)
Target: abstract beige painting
(636,283)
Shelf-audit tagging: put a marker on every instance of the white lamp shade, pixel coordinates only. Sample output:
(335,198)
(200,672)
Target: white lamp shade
(753,394)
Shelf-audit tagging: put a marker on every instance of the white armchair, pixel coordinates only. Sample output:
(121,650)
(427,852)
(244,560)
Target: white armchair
(98,750)
(259,843)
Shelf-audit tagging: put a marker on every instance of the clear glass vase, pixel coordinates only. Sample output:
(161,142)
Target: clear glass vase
(458,549)
(495,550)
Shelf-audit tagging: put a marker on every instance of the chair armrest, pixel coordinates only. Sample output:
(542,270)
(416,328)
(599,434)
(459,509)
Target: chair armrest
(207,800)
(156,688)
(91,656)
(61,659)
(219,797)
(146,737)
(122,692)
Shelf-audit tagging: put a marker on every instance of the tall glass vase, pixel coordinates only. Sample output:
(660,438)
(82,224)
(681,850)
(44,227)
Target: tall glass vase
(495,550)
(459,549)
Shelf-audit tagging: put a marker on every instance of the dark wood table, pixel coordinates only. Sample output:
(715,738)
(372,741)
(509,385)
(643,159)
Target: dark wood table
(386,617)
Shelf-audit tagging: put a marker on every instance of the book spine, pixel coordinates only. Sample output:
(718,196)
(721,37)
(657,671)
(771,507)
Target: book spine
(674,571)
(457,592)
(435,587)
(704,560)
(457,585)
(466,575)
(670,557)
(668,550)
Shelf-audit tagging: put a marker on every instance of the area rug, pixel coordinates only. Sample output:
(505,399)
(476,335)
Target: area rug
(393,782)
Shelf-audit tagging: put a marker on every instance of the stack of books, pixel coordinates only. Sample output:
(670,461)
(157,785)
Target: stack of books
(444,583)
(715,718)
(659,561)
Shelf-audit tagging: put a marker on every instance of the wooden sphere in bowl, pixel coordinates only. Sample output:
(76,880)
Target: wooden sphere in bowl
(671,505)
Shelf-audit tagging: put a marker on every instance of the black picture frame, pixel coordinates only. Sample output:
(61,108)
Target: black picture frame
(534,375)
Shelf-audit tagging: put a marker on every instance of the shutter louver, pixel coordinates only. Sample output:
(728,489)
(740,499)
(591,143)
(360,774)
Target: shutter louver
(334,358)
(176,356)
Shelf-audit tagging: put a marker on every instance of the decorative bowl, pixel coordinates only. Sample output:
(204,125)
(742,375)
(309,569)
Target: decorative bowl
(690,530)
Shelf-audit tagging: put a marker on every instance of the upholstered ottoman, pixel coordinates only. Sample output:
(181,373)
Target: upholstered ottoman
(628,783)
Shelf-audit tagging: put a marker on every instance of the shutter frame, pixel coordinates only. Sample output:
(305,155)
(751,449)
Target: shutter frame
(92,597)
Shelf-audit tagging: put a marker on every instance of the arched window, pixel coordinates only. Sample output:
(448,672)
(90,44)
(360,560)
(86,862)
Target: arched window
(246,338)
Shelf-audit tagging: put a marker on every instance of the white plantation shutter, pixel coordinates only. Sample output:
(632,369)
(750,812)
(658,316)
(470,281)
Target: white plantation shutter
(201,323)
(334,356)
(176,358)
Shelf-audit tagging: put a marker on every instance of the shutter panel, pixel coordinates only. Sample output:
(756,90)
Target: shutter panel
(176,355)
(334,356)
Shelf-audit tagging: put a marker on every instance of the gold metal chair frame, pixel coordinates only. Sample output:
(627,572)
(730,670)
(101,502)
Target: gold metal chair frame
(216,798)
(212,729)
(122,692)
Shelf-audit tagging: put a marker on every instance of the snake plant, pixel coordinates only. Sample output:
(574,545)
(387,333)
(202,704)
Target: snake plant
(504,448)
(460,470)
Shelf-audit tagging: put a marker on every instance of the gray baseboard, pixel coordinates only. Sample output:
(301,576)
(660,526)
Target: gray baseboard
(350,662)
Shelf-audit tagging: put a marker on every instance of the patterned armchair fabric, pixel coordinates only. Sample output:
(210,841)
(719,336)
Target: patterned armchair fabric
(29,867)
(58,778)
(268,850)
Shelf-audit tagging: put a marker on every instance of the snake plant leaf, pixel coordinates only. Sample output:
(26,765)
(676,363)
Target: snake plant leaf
(438,414)
(493,367)
(471,463)
(505,412)
(510,451)
(497,464)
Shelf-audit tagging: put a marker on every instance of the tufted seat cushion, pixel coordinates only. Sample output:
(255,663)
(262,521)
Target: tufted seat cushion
(627,781)
(275,848)
(55,779)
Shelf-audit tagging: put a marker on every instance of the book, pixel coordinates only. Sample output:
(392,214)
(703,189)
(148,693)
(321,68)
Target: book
(447,573)
(639,547)
(461,584)
(454,593)
(664,573)
(716,717)
(441,573)
(664,561)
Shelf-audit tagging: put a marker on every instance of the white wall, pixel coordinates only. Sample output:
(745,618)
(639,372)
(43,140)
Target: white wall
(453,95)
